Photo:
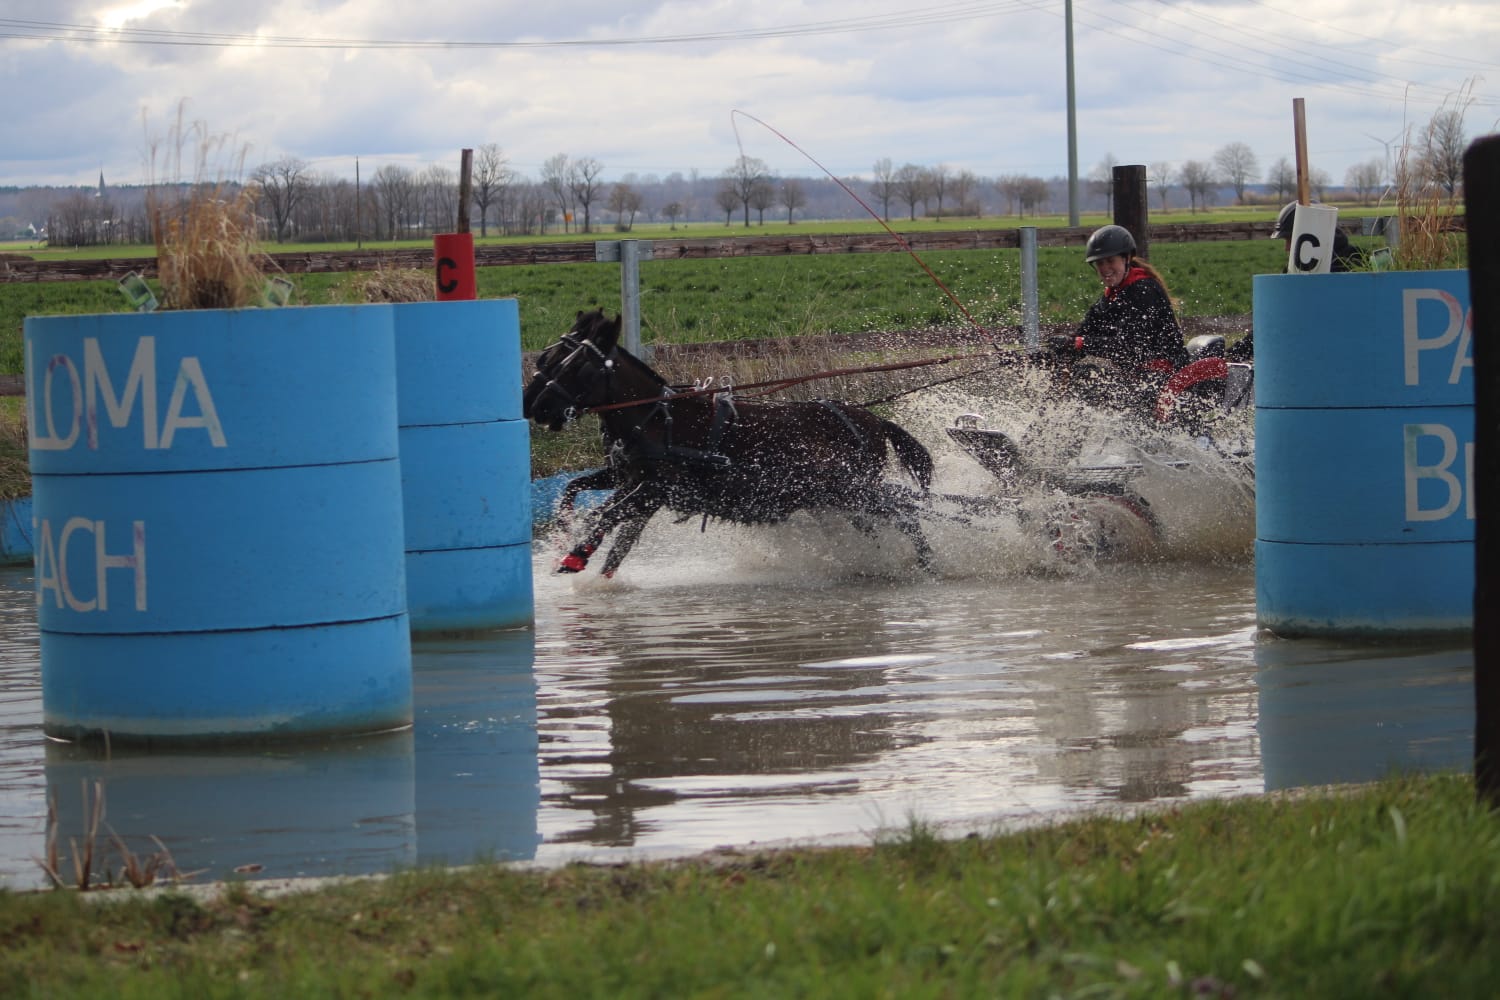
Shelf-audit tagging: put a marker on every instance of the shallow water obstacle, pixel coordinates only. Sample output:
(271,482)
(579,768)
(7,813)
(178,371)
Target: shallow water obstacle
(1364,437)
(218,550)
(466,465)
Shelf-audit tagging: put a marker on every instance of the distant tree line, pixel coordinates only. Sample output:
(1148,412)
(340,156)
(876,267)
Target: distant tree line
(295,202)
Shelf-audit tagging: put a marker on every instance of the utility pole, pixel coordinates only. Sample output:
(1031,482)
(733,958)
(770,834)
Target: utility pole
(1072,118)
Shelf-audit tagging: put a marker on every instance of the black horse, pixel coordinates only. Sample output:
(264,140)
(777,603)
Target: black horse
(740,460)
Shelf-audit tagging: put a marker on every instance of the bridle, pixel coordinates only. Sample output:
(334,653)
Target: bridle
(574,400)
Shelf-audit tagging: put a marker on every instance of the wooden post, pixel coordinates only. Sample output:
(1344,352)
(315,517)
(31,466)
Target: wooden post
(1482,204)
(1299,127)
(1132,208)
(465,189)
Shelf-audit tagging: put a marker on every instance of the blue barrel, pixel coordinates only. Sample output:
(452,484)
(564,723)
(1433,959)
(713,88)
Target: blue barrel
(217,496)
(465,465)
(478,777)
(1364,437)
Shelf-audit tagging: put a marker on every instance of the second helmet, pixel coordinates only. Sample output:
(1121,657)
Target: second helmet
(1109,241)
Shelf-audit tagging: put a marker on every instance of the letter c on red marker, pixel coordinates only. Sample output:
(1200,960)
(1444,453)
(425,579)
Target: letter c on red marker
(446,285)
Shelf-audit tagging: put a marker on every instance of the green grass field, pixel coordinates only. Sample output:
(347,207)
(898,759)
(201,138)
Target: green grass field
(1387,890)
(754,297)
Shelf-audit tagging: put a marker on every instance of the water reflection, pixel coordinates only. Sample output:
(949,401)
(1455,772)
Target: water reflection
(343,808)
(1333,712)
(461,784)
(728,689)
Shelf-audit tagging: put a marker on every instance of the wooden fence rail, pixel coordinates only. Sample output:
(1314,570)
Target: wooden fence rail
(579,252)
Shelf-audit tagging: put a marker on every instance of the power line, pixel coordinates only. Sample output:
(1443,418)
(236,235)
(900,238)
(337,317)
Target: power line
(98,34)
(1448,59)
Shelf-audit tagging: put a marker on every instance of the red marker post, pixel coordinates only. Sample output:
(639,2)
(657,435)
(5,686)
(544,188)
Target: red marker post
(453,253)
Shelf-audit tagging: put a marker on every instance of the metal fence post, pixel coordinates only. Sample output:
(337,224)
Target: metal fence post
(629,253)
(1031,318)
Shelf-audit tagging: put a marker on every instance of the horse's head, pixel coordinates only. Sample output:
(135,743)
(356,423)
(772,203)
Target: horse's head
(574,373)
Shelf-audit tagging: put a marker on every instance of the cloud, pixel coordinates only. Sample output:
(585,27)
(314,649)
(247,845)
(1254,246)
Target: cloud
(978,86)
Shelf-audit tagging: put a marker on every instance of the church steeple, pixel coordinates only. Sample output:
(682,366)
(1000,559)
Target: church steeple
(100,193)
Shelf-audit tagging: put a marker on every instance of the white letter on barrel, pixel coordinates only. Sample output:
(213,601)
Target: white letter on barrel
(1416,473)
(1415,344)
(136,561)
(190,373)
(141,378)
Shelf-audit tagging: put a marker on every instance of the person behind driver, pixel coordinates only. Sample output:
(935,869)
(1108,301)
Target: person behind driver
(1346,256)
(1132,325)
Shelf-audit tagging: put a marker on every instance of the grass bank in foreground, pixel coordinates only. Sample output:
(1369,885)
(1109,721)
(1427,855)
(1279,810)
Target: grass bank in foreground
(1390,889)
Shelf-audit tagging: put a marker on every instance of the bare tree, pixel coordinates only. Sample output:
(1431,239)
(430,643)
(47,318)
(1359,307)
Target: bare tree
(883,187)
(1364,179)
(743,176)
(963,184)
(673,211)
(1442,149)
(911,187)
(1318,180)
(938,179)
(583,179)
(439,192)
(491,177)
(1161,177)
(762,197)
(1236,164)
(557,175)
(625,202)
(727,198)
(1196,178)
(396,187)
(793,197)
(1009,186)
(1034,194)
(1282,178)
(281,186)
(531,208)
(1102,178)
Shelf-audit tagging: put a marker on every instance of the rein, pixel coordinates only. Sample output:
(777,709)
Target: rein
(775,385)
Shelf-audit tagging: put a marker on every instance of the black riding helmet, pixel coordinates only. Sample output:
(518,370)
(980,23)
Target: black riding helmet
(1110,241)
(1283,230)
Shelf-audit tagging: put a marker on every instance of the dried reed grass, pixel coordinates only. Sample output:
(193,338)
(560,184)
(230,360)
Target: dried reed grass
(741,363)
(204,223)
(15,470)
(1425,209)
(397,285)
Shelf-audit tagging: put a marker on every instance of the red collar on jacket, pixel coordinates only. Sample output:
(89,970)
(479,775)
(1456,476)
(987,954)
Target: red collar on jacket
(1131,277)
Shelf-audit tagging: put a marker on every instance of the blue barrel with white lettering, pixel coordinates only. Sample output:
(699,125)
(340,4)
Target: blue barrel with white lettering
(218,552)
(1364,438)
(465,465)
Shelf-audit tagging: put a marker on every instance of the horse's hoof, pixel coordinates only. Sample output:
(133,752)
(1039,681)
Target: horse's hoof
(572,563)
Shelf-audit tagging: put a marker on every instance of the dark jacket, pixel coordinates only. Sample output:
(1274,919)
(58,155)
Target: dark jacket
(1346,256)
(1133,325)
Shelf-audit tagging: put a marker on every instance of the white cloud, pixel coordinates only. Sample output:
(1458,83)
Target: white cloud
(983,91)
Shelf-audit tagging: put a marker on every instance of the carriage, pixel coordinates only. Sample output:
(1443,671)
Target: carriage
(712,454)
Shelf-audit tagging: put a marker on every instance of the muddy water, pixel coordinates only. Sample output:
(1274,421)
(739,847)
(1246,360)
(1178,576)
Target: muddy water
(739,686)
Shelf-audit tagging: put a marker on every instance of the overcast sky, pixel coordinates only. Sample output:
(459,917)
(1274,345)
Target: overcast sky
(650,87)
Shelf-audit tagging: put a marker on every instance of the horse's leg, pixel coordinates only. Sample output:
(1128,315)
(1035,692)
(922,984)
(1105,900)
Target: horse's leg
(903,512)
(603,479)
(617,509)
(629,534)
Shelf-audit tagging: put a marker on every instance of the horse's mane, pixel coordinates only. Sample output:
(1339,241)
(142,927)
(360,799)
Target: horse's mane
(590,324)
